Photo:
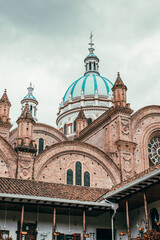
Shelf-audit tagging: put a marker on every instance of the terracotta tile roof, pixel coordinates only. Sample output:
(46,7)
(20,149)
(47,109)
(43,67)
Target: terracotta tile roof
(51,190)
(137,176)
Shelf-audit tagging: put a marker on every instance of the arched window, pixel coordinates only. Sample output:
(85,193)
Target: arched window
(74,126)
(69,176)
(154,150)
(89,121)
(87,179)
(41,145)
(46,146)
(90,65)
(31,109)
(36,148)
(94,66)
(65,129)
(154,218)
(78,173)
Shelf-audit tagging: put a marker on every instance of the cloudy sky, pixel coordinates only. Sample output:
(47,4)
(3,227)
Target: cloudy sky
(46,41)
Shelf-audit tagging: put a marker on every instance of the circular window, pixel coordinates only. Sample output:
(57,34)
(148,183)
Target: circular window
(154,150)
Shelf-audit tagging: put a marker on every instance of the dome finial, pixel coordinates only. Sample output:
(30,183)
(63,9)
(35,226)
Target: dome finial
(91,40)
(91,49)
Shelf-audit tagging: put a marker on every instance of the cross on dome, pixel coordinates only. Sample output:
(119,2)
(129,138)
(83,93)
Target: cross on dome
(91,49)
(91,40)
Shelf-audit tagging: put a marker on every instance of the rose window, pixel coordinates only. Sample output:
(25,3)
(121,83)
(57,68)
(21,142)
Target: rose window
(154,150)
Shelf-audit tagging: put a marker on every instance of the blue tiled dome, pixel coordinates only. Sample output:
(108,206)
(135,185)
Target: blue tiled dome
(89,84)
(30,96)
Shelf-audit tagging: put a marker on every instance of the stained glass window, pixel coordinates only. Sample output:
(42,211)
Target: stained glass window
(87,179)
(154,150)
(89,121)
(65,129)
(69,176)
(78,173)
(41,145)
(74,126)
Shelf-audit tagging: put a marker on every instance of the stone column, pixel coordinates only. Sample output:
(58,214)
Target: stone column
(127,217)
(146,211)
(22,219)
(84,224)
(54,224)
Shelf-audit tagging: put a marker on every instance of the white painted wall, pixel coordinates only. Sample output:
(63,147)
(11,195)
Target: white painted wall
(92,223)
(45,223)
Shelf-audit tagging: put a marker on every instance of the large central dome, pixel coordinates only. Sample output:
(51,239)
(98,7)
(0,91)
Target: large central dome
(91,93)
(90,84)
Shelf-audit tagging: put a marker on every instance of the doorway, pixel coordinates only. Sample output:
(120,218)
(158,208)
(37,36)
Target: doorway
(104,234)
(29,231)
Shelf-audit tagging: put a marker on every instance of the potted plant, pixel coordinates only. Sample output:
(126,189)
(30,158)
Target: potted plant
(149,235)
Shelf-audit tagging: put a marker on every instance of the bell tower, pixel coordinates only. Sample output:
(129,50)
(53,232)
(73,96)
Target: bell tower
(119,92)
(5,124)
(25,145)
(122,131)
(32,102)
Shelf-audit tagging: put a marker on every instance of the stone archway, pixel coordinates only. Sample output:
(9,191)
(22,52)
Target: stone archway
(8,159)
(52,164)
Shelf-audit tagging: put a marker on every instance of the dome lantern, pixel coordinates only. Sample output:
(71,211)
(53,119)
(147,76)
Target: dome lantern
(91,61)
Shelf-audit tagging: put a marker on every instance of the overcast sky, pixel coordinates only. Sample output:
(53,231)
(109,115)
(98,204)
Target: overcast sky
(45,42)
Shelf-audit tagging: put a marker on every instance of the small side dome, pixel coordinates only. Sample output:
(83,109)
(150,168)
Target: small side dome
(30,95)
(32,101)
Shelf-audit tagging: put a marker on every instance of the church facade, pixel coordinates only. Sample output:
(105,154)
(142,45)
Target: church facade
(77,181)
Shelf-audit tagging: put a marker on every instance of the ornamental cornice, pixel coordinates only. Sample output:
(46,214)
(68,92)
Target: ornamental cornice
(105,117)
(6,124)
(86,108)
(125,143)
(86,99)
(29,100)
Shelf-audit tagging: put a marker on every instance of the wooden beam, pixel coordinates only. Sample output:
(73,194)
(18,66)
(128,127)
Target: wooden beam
(127,217)
(84,224)
(54,223)
(146,211)
(22,219)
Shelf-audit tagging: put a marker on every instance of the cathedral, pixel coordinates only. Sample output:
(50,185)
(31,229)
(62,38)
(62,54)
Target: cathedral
(96,176)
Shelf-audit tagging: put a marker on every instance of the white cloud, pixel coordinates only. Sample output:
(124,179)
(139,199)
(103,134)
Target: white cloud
(45,42)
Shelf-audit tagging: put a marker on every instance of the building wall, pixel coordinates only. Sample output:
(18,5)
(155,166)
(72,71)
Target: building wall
(71,117)
(122,137)
(62,223)
(52,164)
